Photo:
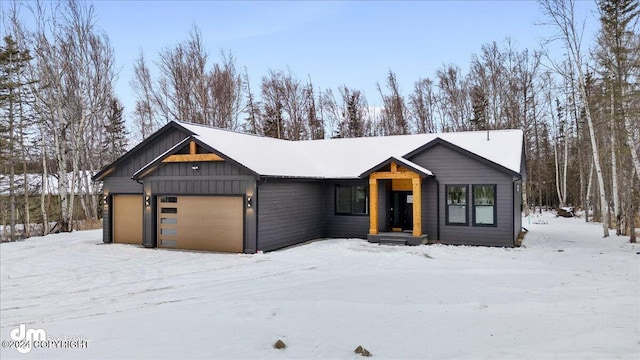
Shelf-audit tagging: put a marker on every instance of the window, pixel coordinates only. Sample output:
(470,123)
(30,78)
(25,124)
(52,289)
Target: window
(456,205)
(352,200)
(484,205)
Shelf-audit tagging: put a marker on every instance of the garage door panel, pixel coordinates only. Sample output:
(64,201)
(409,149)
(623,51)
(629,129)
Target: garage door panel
(127,219)
(208,223)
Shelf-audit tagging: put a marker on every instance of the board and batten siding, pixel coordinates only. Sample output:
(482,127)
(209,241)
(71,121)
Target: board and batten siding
(451,167)
(213,178)
(345,226)
(150,152)
(120,182)
(289,213)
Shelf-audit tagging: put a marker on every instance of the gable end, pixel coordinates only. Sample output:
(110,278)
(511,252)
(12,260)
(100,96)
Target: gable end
(439,141)
(109,169)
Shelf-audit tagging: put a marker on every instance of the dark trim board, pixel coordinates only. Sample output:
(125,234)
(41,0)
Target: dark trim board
(291,209)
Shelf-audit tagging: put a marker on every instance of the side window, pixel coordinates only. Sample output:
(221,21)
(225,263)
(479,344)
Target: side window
(484,205)
(456,210)
(352,200)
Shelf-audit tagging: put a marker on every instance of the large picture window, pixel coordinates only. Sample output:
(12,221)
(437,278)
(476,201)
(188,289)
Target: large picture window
(456,204)
(352,200)
(484,205)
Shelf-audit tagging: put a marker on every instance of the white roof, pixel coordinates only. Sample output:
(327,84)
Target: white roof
(348,158)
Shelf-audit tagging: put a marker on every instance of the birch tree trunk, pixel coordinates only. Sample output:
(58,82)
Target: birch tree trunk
(45,182)
(588,195)
(561,14)
(614,167)
(558,189)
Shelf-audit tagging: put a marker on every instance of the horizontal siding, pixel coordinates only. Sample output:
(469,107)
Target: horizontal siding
(343,226)
(199,187)
(121,185)
(452,167)
(205,169)
(289,213)
(430,208)
(212,178)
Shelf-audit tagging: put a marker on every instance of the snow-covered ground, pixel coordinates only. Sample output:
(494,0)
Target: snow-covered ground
(569,294)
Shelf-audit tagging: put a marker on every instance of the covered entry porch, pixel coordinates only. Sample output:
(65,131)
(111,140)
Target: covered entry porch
(400,206)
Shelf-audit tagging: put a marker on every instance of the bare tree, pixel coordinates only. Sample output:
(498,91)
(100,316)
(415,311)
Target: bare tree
(145,116)
(74,63)
(422,103)
(561,15)
(454,99)
(394,112)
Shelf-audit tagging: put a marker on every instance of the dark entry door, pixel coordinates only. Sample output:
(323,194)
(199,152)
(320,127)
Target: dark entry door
(401,210)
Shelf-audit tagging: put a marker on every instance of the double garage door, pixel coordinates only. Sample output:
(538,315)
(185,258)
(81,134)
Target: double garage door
(210,223)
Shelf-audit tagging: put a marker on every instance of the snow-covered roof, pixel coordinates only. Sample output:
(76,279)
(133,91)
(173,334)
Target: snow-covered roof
(399,160)
(348,158)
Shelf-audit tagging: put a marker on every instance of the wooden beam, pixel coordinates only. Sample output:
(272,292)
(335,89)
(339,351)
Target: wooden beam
(401,185)
(392,175)
(417,206)
(373,206)
(193,158)
(394,167)
(192,148)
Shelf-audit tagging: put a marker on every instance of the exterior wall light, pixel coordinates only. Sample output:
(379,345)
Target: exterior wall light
(249,202)
(195,167)
(147,201)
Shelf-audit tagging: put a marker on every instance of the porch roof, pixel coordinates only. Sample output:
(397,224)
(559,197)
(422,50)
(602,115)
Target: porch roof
(400,161)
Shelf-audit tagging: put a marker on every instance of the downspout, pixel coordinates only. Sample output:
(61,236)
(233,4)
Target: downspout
(513,212)
(438,209)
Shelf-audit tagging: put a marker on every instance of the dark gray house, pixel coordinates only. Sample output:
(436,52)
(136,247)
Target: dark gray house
(196,187)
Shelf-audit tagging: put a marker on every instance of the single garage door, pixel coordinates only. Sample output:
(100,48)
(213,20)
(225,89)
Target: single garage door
(127,219)
(211,223)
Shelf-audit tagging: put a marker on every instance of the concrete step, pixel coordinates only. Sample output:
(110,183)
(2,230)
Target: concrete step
(393,241)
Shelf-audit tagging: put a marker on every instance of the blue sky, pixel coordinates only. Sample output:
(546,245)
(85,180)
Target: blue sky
(354,43)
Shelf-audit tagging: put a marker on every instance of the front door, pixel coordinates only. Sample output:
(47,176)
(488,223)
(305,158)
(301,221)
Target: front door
(401,210)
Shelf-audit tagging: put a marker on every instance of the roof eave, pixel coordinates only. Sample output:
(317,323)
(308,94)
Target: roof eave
(404,162)
(440,141)
(105,171)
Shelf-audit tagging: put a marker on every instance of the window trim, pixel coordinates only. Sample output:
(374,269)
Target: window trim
(446,205)
(352,187)
(495,205)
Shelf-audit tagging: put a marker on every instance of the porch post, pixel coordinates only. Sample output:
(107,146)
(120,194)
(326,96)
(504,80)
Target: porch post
(373,206)
(417,206)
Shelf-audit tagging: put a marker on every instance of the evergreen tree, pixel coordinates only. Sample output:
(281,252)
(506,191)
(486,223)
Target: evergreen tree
(13,98)
(116,134)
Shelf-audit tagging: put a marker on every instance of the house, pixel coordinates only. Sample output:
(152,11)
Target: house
(195,187)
